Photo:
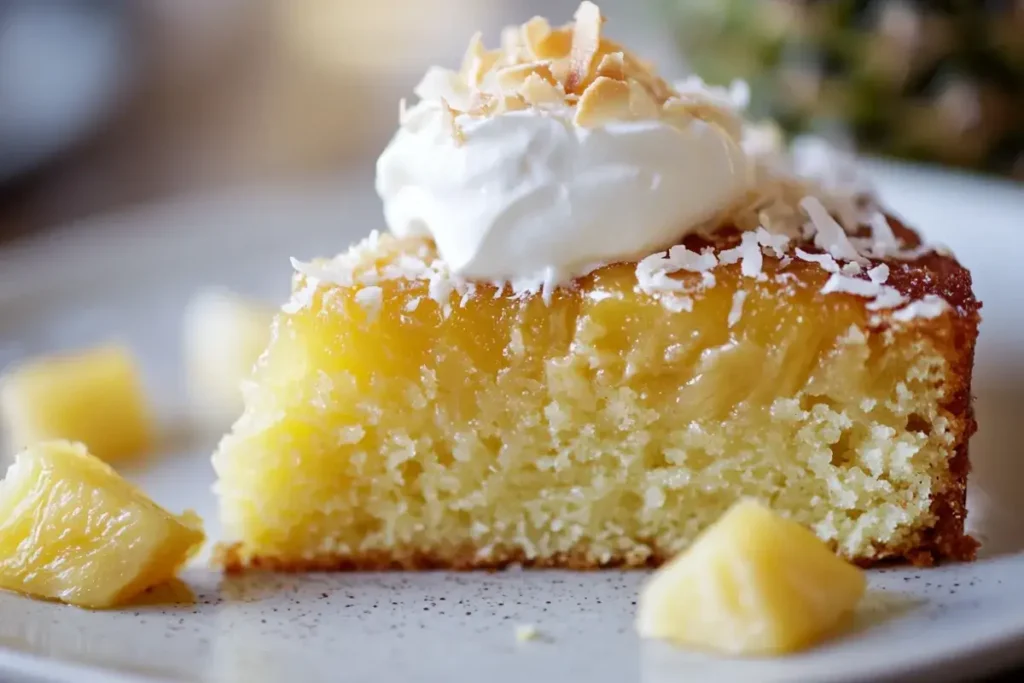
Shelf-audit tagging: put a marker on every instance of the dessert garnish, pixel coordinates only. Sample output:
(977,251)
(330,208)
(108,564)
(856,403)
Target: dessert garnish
(561,151)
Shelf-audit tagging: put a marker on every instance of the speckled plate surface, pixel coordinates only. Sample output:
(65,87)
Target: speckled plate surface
(129,277)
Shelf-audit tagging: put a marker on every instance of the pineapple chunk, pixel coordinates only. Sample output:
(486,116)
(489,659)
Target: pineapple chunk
(94,397)
(752,584)
(72,530)
(223,336)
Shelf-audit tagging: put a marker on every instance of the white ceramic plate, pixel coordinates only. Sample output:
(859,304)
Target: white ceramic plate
(129,278)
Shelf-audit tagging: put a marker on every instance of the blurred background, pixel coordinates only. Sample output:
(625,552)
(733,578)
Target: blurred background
(110,103)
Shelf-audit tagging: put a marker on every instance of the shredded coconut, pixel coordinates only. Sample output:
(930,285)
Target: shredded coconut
(829,235)
(884,242)
(677,303)
(879,273)
(470,290)
(737,307)
(683,259)
(370,298)
(928,307)
(301,298)
(653,272)
(748,253)
(882,296)
(890,297)
(775,243)
(824,260)
(851,285)
(320,273)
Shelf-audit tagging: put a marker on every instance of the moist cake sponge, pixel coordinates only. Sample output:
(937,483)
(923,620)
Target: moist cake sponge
(403,419)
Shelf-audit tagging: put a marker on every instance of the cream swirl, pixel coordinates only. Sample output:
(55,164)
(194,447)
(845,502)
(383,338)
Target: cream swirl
(529,194)
(553,166)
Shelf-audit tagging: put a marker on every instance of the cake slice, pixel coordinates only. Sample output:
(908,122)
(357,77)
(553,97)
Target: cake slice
(430,399)
(387,427)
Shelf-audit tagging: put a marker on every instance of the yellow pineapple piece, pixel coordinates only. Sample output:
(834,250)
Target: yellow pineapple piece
(224,334)
(94,396)
(72,530)
(752,584)
(396,421)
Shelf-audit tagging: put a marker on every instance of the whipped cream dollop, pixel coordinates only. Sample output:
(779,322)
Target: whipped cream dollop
(534,162)
(531,194)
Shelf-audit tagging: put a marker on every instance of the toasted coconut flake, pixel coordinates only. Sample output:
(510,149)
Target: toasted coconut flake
(612,65)
(511,43)
(645,72)
(705,109)
(557,45)
(512,78)
(586,40)
(641,104)
(484,66)
(474,53)
(487,105)
(533,34)
(679,116)
(537,91)
(478,61)
(438,84)
(603,101)
(535,56)
(453,126)
(511,103)
(543,43)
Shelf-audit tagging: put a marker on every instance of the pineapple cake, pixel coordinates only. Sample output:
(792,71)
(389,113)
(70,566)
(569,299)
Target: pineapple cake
(607,308)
